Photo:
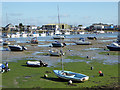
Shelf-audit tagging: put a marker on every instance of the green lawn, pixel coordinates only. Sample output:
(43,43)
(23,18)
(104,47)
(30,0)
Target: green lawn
(22,76)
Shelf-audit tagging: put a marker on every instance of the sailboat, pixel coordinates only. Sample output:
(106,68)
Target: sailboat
(69,75)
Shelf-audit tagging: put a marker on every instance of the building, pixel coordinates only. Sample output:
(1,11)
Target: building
(55,26)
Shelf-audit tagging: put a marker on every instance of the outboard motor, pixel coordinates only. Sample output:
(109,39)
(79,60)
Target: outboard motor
(24,48)
(64,44)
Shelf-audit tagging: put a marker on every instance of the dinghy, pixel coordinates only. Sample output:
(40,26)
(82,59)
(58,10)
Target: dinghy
(36,63)
(68,75)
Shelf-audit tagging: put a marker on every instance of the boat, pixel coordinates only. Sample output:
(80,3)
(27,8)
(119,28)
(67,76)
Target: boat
(43,34)
(69,75)
(114,46)
(92,38)
(54,52)
(58,37)
(82,41)
(34,40)
(36,64)
(17,48)
(58,44)
(1,40)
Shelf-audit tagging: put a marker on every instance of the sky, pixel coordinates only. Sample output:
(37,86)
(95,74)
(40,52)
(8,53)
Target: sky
(72,13)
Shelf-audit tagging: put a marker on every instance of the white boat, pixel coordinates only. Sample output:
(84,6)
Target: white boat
(6,43)
(68,75)
(81,32)
(17,48)
(43,34)
(36,63)
(114,46)
(58,37)
(67,33)
(1,40)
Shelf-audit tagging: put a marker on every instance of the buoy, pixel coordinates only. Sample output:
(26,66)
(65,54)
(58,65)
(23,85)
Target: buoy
(70,82)
(100,71)
(45,75)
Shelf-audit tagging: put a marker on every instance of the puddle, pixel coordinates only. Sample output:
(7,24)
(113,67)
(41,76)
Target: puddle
(47,45)
(27,76)
(107,40)
(37,53)
(93,49)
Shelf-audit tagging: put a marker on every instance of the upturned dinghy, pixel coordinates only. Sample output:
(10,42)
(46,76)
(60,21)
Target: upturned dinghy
(68,75)
(36,63)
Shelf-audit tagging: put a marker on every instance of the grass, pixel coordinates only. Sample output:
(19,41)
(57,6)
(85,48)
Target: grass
(22,76)
(110,53)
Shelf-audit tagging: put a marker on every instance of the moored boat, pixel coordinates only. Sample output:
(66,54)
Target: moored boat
(68,75)
(58,44)
(17,48)
(114,47)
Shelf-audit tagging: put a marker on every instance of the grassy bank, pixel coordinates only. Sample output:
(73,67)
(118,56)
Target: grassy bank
(22,76)
(110,53)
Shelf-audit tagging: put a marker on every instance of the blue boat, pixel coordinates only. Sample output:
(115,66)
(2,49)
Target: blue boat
(68,75)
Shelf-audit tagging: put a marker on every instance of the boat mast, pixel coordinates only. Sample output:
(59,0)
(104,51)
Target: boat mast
(60,40)
(58,18)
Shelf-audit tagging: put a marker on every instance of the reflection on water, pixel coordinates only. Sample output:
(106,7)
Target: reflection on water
(93,49)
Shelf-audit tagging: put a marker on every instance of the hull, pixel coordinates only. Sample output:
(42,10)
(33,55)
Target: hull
(113,48)
(17,48)
(57,45)
(92,38)
(83,43)
(13,48)
(70,75)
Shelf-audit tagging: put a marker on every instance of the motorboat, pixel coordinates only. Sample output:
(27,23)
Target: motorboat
(58,37)
(58,44)
(92,38)
(114,46)
(17,48)
(54,52)
(68,75)
(82,41)
(36,63)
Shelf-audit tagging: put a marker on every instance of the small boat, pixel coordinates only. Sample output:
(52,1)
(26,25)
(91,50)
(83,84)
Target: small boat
(92,38)
(1,40)
(17,48)
(58,37)
(36,63)
(68,75)
(82,41)
(54,52)
(34,40)
(58,44)
(114,47)
(43,34)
